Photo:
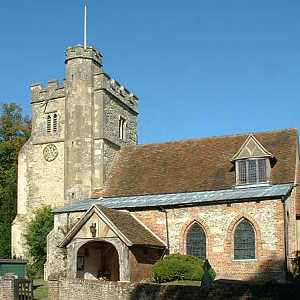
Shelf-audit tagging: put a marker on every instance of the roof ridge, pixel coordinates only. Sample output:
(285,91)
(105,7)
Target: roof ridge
(213,137)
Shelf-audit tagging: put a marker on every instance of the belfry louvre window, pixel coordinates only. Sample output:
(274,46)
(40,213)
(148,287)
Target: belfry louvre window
(52,123)
(55,122)
(252,171)
(49,124)
(196,241)
(244,241)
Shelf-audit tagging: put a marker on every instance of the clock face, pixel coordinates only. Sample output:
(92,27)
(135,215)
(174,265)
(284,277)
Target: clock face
(50,152)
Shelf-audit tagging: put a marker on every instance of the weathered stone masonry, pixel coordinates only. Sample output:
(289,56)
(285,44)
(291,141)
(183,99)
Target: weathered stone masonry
(82,148)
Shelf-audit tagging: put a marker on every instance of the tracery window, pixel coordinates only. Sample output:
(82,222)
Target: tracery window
(196,241)
(252,171)
(244,241)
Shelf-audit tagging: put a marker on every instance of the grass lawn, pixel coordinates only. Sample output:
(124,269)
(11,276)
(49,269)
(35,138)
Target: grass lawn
(40,289)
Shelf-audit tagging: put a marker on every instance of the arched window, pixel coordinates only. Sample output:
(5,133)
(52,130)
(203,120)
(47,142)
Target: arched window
(49,124)
(196,241)
(55,122)
(244,241)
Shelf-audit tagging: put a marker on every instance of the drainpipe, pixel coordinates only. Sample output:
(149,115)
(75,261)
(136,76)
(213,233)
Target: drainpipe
(167,228)
(283,199)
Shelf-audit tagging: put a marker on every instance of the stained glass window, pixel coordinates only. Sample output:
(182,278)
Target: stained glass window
(196,241)
(244,241)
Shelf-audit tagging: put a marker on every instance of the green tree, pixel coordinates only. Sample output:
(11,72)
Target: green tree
(14,132)
(36,236)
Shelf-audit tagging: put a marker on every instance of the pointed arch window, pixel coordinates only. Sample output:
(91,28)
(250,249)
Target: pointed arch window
(244,241)
(196,241)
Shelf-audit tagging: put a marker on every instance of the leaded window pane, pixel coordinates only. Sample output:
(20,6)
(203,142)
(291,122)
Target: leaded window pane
(196,241)
(252,171)
(242,171)
(244,241)
(262,170)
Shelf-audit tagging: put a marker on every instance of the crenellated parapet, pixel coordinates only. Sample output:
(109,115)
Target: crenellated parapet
(80,52)
(40,93)
(104,82)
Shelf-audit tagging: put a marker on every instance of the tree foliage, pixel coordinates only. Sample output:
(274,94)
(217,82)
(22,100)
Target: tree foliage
(36,236)
(14,131)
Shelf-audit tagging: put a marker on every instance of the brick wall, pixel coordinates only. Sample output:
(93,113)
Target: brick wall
(7,288)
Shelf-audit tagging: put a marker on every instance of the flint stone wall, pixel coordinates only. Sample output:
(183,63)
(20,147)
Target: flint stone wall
(87,289)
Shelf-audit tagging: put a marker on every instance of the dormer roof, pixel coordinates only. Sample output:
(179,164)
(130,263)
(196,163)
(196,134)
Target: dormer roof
(251,148)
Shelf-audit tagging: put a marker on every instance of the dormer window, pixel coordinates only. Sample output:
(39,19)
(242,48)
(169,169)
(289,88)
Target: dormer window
(252,171)
(252,163)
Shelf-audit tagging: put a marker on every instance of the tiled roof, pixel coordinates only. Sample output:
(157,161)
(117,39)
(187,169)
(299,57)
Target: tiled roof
(181,199)
(125,225)
(128,225)
(195,165)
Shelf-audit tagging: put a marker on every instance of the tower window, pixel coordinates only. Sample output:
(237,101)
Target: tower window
(49,124)
(196,241)
(52,123)
(252,171)
(122,123)
(55,122)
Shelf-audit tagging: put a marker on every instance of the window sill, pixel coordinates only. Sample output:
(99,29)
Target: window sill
(250,260)
(243,186)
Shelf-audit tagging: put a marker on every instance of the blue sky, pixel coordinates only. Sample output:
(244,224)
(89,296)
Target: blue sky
(200,68)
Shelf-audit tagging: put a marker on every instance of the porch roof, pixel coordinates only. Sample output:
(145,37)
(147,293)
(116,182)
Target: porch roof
(126,226)
(184,199)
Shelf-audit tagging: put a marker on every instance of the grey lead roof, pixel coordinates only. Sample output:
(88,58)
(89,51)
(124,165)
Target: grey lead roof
(181,199)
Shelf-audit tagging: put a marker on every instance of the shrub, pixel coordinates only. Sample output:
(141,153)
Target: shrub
(179,267)
(296,266)
(36,237)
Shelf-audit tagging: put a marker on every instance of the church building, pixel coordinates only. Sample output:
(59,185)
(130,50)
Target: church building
(120,206)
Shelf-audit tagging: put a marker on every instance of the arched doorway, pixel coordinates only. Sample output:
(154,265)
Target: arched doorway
(98,260)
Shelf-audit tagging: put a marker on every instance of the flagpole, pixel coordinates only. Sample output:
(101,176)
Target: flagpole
(84,30)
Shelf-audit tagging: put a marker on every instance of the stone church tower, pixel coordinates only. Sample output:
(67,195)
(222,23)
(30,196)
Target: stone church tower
(76,131)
